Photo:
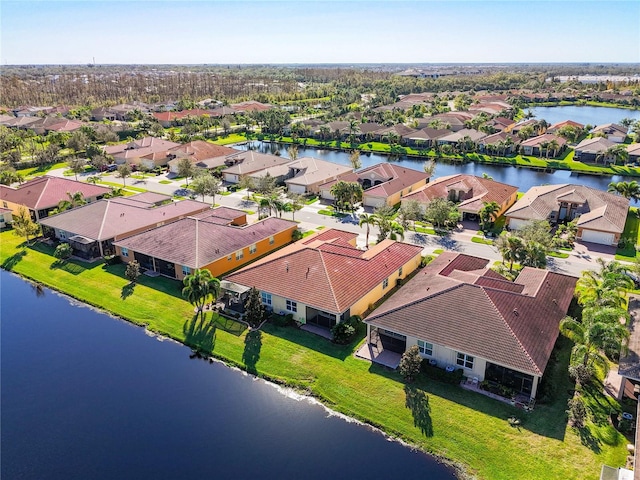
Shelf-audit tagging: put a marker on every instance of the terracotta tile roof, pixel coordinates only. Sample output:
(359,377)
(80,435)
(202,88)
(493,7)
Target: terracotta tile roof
(251,106)
(46,192)
(610,128)
(426,134)
(312,170)
(116,217)
(171,116)
(492,318)
(395,178)
(540,201)
(248,162)
(557,126)
(479,190)
(201,239)
(330,278)
(200,150)
(594,145)
(634,149)
(545,137)
(140,148)
(474,135)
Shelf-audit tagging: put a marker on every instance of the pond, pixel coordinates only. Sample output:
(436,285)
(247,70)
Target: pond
(586,115)
(85,395)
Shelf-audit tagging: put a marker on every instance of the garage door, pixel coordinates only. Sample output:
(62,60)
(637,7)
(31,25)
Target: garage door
(603,238)
(517,223)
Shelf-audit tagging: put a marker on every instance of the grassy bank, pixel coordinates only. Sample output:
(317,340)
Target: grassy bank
(438,417)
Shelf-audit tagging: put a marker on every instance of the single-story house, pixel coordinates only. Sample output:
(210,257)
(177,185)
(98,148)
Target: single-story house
(426,137)
(148,151)
(91,229)
(463,315)
(103,113)
(501,143)
(538,145)
(520,125)
(501,123)
(251,106)
(384,183)
(324,279)
(567,123)
(634,152)
(199,152)
(6,217)
(592,150)
(600,216)
(453,138)
(307,174)
(614,132)
(468,191)
(168,119)
(254,164)
(43,194)
(219,240)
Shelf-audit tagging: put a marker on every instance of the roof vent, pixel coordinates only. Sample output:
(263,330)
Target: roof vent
(515,312)
(287,267)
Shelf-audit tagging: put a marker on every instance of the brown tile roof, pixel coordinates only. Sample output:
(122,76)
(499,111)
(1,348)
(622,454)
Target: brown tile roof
(492,318)
(557,126)
(201,239)
(248,162)
(251,106)
(604,211)
(140,148)
(594,145)
(545,137)
(46,192)
(313,170)
(171,116)
(479,190)
(396,178)
(115,217)
(200,150)
(326,277)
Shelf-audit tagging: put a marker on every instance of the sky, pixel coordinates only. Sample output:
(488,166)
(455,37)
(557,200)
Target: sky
(301,31)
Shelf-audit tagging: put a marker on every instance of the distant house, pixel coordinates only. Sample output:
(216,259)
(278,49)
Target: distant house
(201,154)
(600,216)
(462,315)
(102,113)
(384,183)
(169,119)
(520,125)
(323,279)
(501,123)
(254,164)
(567,123)
(614,132)
(593,149)
(470,192)
(427,137)
(634,152)
(251,106)
(218,240)
(457,136)
(92,229)
(537,145)
(501,143)
(148,151)
(307,174)
(42,194)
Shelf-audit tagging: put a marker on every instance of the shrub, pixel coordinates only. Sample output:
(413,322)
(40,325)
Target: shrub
(577,412)
(63,251)
(112,259)
(132,271)
(426,260)
(410,363)
(580,373)
(344,332)
(296,235)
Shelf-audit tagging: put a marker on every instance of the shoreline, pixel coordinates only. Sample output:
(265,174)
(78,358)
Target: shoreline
(289,391)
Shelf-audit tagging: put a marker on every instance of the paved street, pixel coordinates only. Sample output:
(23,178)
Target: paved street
(309,219)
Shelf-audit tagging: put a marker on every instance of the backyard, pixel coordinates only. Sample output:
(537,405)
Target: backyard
(438,417)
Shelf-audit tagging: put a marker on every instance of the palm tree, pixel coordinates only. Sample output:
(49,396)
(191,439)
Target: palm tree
(511,248)
(630,190)
(605,287)
(553,145)
(488,213)
(198,287)
(124,171)
(368,220)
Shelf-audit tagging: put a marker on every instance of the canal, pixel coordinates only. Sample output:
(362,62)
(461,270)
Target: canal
(85,395)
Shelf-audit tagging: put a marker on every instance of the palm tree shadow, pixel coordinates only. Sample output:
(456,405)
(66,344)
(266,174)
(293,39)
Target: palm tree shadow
(127,290)
(589,440)
(200,333)
(13,260)
(252,346)
(418,402)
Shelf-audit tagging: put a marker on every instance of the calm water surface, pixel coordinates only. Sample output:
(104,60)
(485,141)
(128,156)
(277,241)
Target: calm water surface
(584,114)
(89,397)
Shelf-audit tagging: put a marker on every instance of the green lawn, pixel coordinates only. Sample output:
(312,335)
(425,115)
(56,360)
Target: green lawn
(485,241)
(119,185)
(39,171)
(630,237)
(229,139)
(437,417)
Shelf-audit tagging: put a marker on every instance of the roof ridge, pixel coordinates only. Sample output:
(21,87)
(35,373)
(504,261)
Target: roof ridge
(104,218)
(46,184)
(506,323)
(459,284)
(333,293)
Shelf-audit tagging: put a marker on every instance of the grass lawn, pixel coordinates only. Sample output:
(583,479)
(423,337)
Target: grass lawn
(231,138)
(127,188)
(165,182)
(485,241)
(39,171)
(558,254)
(629,239)
(437,417)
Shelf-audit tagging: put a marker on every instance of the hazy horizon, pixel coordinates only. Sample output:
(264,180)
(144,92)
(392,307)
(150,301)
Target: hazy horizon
(174,32)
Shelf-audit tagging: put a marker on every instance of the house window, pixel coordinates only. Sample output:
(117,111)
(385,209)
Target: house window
(239,255)
(464,360)
(400,272)
(266,298)
(125,252)
(4,204)
(62,235)
(292,306)
(229,257)
(252,248)
(186,270)
(425,348)
(385,283)
(271,240)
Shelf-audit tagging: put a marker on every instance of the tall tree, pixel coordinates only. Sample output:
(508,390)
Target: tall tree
(511,248)
(199,286)
(207,185)
(76,165)
(630,190)
(23,225)
(124,171)
(488,214)
(254,309)
(185,169)
(355,161)
(442,213)
(368,220)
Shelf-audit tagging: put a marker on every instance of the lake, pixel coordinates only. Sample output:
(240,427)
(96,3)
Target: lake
(583,114)
(85,395)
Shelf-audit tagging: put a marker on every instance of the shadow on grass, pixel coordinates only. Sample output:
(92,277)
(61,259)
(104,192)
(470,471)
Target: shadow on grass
(200,333)
(418,402)
(162,284)
(252,347)
(589,440)
(70,266)
(127,290)
(312,341)
(13,260)
(228,325)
